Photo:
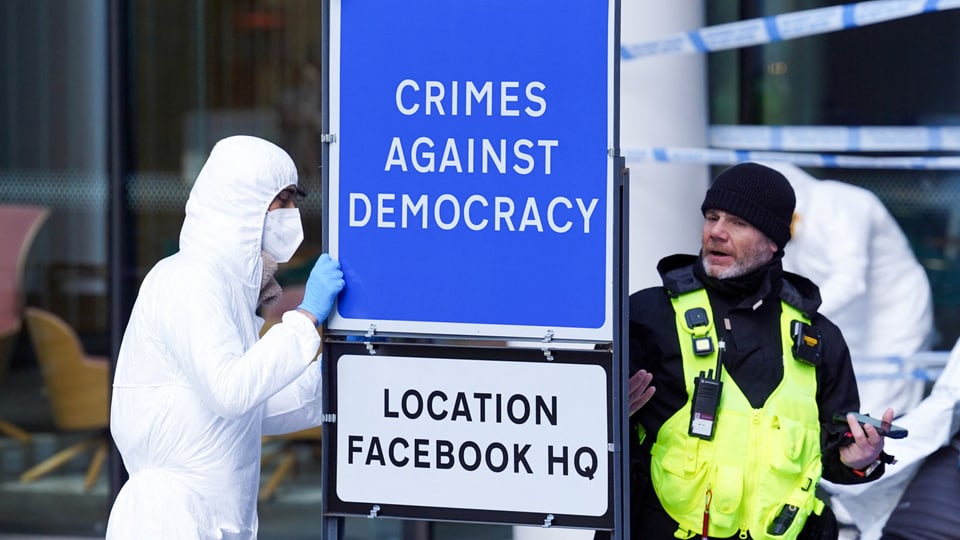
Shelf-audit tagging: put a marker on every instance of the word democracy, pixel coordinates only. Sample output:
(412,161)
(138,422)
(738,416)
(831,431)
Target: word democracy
(477,212)
(471,155)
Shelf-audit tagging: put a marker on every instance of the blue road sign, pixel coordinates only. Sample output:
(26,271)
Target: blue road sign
(470,186)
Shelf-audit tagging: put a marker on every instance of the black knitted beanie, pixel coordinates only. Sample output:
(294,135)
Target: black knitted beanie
(758,194)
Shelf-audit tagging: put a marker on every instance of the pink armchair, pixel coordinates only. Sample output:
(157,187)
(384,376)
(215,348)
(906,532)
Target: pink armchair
(18,227)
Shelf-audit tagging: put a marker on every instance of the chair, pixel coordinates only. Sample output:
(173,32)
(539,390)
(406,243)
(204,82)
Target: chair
(78,388)
(289,443)
(19,224)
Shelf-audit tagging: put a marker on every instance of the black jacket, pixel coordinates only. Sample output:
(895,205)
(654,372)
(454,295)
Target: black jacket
(751,305)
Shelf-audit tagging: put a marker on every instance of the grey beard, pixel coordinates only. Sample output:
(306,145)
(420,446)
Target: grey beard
(269,288)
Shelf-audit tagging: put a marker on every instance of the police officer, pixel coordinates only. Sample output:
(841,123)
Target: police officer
(748,379)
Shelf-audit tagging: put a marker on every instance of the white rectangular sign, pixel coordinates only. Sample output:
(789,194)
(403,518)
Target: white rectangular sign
(473,434)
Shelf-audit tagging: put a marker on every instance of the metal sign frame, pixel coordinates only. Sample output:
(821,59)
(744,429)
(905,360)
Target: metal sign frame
(379,335)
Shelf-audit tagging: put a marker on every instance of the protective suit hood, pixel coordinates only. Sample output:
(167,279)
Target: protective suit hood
(228,204)
(873,286)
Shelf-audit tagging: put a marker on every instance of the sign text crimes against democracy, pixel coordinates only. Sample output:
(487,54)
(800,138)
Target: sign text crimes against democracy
(470,155)
(469,455)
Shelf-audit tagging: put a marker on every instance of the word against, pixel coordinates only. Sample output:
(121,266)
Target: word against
(476,212)
(465,156)
(471,155)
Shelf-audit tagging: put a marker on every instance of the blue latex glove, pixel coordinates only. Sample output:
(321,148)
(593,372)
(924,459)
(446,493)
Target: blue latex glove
(323,285)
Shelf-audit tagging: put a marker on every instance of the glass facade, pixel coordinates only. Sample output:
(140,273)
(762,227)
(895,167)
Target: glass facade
(194,71)
(897,73)
(190,73)
(202,70)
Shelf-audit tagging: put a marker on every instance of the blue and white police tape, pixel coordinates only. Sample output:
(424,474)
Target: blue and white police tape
(713,156)
(924,365)
(784,27)
(837,138)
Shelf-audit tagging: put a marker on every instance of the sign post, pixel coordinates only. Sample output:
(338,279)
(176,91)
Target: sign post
(472,186)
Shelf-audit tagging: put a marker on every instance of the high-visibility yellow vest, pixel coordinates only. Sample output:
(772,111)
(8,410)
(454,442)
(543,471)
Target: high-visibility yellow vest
(758,460)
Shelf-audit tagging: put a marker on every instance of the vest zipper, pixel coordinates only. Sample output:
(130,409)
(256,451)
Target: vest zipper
(750,483)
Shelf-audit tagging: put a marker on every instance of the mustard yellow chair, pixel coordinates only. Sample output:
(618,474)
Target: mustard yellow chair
(77,386)
(19,225)
(288,444)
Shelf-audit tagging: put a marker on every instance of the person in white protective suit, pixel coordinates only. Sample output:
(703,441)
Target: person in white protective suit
(847,242)
(194,388)
(931,508)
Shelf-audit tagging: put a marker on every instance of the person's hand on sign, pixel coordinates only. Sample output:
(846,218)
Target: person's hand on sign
(640,390)
(323,286)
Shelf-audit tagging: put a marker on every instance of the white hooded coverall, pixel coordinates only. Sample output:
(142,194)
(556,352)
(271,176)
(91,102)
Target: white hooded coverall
(847,242)
(875,290)
(194,388)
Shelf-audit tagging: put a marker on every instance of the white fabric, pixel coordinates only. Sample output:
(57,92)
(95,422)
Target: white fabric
(282,233)
(194,388)
(873,287)
(931,424)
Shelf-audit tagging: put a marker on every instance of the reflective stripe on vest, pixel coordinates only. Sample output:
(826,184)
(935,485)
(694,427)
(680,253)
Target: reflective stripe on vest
(758,459)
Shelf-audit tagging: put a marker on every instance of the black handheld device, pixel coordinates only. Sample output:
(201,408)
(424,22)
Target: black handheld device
(706,400)
(807,343)
(889,430)
(783,520)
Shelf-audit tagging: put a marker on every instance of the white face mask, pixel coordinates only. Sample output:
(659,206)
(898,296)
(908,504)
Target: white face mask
(282,233)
